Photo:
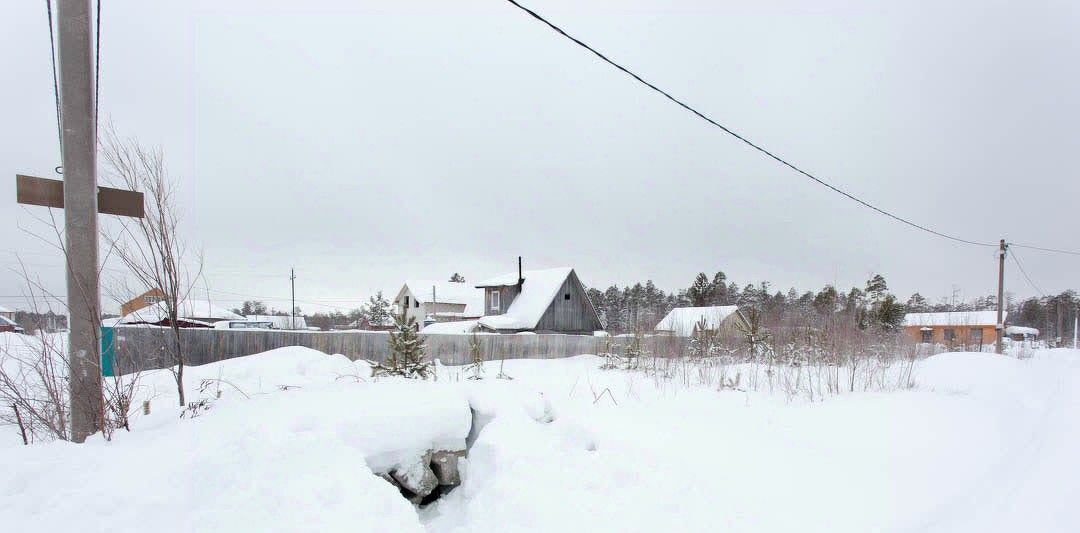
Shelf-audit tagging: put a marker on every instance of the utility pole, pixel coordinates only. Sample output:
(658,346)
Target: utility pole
(1076,322)
(292,312)
(82,199)
(80,217)
(1000,327)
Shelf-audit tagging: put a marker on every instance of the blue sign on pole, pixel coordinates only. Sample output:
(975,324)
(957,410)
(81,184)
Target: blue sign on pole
(108,351)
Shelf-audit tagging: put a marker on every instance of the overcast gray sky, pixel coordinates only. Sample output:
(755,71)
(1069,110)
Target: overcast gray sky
(368,142)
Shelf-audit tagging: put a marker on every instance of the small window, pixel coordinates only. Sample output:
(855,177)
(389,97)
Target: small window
(151,300)
(495,300)
(407,301)
(976,335)
(566,296)
(928,335)
(950,334)
(416,304)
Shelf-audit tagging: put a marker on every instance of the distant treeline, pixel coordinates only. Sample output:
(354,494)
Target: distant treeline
(642,305)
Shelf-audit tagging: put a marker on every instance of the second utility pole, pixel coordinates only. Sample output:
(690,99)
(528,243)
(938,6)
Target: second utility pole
(1000,327)
(292,313)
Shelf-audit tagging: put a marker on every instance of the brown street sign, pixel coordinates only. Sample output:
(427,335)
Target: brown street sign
(50,193)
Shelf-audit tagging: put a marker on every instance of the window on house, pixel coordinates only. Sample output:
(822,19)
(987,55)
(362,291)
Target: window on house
(976,335)
(928,335)
(151,300)
(407,302)
(566,296)
(950,334)
(494,300)
(416,304)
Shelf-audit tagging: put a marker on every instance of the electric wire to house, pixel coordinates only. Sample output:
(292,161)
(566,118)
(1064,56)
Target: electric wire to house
(882,211)
(56,82)
(97,67)
(1012,253)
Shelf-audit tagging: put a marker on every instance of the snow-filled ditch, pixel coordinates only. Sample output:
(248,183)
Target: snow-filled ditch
(983,443)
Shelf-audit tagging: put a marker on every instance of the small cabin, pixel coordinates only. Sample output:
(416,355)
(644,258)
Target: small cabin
(541,301)
(955,328)
(1021,333)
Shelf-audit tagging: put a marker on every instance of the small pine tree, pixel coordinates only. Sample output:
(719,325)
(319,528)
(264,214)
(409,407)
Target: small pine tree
(406,352)
(704,341)
(755,334)
(377,310)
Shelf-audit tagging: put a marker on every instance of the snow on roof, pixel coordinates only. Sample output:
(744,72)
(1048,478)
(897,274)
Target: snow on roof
(504,280)
(190,309)
(536,295)
(447,292)
(6,310)
(7,321)
(681,320)
(1021,330)
(279,322)
(458,327)
(953,318)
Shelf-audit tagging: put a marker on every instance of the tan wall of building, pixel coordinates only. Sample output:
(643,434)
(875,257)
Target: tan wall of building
(961,335)
(143,300)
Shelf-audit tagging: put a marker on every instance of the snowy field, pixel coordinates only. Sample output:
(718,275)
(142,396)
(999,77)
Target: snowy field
(981,443)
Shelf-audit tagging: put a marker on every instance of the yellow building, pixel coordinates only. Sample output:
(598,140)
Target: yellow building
(953,329)
(145,299)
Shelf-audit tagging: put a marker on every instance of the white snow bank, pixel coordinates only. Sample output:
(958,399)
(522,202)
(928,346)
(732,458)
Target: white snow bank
(300,459)
(984,443)
(969,372)
(981,445)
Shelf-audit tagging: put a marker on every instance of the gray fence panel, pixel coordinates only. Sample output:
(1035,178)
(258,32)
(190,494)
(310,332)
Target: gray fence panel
(146,347)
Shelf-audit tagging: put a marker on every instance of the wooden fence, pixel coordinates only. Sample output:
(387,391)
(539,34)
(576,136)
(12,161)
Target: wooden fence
(138,348)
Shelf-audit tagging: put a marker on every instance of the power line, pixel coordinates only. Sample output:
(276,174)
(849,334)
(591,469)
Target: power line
(746,141)
(1041,249)
(55,81)
(97,68)
(1024,272)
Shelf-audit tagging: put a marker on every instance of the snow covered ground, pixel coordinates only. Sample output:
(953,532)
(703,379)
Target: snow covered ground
(983,443)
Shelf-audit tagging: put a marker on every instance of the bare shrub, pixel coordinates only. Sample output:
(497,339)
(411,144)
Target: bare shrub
(808,358)
(151,247)
(476,354)
(33,386)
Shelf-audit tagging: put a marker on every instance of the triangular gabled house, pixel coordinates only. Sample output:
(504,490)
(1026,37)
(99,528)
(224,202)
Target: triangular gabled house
(438,301)
(684,321)
(542,301)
